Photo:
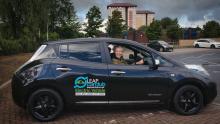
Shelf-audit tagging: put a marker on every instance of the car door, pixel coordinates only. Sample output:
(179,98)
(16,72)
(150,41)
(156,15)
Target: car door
(206,43)
(81,71)
(137,83)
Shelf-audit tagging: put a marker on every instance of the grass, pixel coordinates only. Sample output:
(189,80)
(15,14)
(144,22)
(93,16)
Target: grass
(8,64)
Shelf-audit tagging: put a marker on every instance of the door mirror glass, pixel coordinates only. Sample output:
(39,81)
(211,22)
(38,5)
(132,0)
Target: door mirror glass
(157,62)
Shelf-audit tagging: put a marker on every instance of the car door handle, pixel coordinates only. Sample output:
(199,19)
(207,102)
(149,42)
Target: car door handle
(118,72)
(63,69)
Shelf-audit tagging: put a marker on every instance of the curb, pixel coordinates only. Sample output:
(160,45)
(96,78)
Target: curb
(5,84)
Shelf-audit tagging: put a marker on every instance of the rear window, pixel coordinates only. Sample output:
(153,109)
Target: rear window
(81,51)
(44,51)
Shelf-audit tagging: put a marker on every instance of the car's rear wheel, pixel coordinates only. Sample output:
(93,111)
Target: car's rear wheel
(45,104)
(188,100)
(197,46)
(212,46)
(161,49)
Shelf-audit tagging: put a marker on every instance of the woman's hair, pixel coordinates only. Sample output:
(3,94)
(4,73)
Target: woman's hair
(115,47)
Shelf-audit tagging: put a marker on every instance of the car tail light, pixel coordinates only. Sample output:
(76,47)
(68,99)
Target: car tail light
(30,74)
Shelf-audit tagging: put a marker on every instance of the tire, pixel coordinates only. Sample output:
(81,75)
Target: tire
(188,100)
(161,49)
(45,104)
(197,46)
(212,46)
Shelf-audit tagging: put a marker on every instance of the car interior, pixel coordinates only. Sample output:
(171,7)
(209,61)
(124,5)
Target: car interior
(131,54)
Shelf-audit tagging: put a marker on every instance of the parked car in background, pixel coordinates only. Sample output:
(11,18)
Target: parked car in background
(160,45)
(208,43)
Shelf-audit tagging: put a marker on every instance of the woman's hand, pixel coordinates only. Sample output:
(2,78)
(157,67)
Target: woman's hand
(141,62)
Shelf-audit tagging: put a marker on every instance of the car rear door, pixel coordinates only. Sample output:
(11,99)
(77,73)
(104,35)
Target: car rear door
(81,71)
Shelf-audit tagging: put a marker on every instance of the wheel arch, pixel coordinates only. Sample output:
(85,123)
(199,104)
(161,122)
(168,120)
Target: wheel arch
(45,86)
(194,82)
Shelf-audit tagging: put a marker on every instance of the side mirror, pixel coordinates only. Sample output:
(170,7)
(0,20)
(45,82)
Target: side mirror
(157,62)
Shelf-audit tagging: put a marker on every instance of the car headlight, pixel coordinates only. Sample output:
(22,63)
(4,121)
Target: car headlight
(30,74)
(197,68)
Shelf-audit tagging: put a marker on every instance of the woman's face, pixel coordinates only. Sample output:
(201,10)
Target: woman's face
(118,52)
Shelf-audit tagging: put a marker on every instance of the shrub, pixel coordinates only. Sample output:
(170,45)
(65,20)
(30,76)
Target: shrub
(10,46)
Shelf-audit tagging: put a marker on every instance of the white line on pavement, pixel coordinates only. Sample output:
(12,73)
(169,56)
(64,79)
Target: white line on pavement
(5,84)
(214,103)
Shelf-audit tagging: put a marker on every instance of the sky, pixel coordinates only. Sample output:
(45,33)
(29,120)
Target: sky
(190,13)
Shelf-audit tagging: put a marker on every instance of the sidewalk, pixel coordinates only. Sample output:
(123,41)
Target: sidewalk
(11,114)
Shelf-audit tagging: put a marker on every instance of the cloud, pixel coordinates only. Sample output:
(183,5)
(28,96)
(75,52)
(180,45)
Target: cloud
(192,10)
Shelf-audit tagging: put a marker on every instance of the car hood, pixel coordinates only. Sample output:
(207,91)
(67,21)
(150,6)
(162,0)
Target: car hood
(198,69)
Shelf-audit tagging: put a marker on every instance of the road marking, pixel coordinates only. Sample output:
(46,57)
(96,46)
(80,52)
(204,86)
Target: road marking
(214,103)
(197,57)
(5,84)
(216,71)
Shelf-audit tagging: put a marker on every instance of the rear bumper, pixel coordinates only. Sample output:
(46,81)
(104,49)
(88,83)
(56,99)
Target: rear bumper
(18,91)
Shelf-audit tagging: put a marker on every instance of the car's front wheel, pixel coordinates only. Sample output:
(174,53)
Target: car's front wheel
(197,46)
(212,46)
(188,100)
(161,49)
(45,104)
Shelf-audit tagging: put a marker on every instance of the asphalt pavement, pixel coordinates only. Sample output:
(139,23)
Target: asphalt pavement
(208,58)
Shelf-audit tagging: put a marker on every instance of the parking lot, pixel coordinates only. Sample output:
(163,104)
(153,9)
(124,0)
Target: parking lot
(208,58)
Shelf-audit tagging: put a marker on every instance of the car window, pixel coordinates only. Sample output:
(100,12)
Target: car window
(81,51)
(44,51)
(129,55)
(64,51)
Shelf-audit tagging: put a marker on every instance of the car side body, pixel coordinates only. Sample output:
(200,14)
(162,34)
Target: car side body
(160,45)
(89,77)
(206,43)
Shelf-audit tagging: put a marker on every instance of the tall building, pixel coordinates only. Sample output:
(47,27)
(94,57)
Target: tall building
(133,18)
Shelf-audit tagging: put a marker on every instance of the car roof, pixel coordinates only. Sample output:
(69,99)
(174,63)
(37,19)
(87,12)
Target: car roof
(91,40)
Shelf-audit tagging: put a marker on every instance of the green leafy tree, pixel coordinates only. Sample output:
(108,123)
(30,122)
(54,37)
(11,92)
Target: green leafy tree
(116,25)
(167,22)
(153,32)
(174,32)
(94,22)
(211,29)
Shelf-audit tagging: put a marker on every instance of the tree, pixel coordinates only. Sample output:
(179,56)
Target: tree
(174,32)
(166,22)
(94,22)
(211,29)
(116,25)
(153,32)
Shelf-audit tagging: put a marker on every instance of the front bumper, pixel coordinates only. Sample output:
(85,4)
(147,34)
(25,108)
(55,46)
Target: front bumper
(168,49)
(211,92)
(18,91)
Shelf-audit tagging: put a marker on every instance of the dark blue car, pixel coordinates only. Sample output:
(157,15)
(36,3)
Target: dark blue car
(66,73)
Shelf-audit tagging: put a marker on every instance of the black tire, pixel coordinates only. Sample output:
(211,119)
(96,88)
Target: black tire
(212,46)
(188,100)
(45,104)
(197,46)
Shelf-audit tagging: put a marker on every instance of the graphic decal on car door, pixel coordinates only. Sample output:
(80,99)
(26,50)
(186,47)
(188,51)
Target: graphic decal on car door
(85,86)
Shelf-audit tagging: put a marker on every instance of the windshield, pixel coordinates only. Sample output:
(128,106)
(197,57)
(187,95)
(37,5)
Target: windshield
(44,51)
(163,42)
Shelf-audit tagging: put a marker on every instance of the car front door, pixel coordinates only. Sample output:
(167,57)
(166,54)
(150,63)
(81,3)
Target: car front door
(81,72)
(137,83)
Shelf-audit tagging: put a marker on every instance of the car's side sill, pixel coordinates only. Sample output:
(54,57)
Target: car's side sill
(119,102)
